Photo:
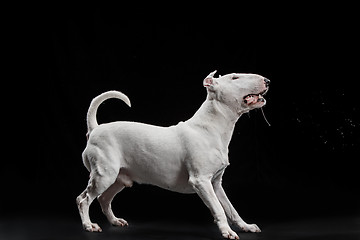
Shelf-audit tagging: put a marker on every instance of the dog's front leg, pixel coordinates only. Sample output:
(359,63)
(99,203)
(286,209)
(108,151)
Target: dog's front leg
(204,189)
(230,211)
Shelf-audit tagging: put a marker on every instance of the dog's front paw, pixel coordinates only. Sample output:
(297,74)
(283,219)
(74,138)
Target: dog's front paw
(249,227)
(119,222)
(230,234)
(92,227)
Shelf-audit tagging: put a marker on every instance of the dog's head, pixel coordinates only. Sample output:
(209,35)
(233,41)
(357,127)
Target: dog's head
(241,92)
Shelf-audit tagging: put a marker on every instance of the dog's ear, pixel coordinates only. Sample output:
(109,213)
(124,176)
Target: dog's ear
(209,80)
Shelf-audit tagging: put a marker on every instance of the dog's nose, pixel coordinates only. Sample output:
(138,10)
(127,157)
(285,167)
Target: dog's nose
(267,81)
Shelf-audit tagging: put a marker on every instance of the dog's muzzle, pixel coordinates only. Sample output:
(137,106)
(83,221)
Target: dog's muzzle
(267,82)
(255,98)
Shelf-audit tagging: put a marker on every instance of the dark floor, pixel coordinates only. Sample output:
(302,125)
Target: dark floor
(342,228)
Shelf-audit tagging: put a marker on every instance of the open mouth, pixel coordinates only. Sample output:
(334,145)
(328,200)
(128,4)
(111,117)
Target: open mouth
(255,98)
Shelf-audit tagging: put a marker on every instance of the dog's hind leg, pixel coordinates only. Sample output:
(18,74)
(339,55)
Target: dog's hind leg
(105,200)
(98,184)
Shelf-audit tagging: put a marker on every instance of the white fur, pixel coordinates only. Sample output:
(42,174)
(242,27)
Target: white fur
(189,157)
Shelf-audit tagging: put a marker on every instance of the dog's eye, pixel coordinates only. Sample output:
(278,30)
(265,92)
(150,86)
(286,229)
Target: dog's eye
(234,77)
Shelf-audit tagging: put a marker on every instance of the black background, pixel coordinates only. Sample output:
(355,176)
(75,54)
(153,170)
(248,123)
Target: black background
(304,165)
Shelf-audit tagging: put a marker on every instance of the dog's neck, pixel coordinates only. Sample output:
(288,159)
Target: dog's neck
(215,117)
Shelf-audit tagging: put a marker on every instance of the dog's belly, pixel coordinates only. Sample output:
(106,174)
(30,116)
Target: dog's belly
(175,179)
(153,155)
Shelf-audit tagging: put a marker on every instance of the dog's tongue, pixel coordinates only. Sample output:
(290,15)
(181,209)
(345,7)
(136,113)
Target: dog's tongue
(251,99)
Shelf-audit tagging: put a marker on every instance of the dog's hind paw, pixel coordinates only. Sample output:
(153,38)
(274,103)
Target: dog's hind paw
(119,222)
(92,227)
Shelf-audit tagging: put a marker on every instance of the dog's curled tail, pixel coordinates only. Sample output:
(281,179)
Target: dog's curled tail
(95,103)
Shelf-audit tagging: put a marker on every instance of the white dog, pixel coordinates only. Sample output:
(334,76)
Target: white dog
(190,157)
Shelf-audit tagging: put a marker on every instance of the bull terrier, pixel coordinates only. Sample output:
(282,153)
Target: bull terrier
(190,157)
